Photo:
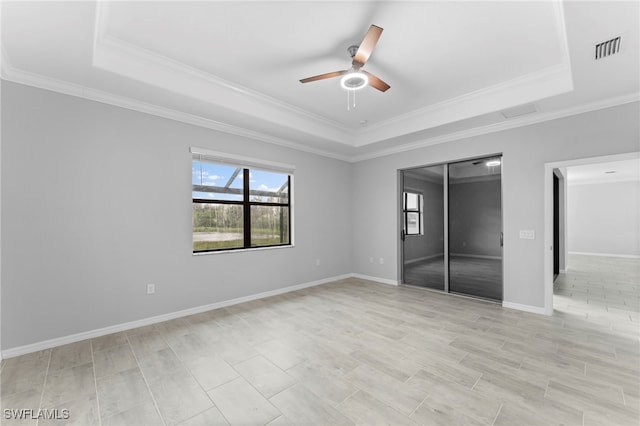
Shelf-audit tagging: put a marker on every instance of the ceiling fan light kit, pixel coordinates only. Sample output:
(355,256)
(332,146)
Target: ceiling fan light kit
(354,80)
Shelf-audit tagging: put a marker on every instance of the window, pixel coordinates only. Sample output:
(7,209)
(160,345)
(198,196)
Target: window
(412,208)
(239,206)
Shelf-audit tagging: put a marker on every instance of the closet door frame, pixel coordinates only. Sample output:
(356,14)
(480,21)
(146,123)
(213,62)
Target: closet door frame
(401,246)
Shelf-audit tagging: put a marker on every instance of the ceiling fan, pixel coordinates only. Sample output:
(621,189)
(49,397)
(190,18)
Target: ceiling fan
(356,78)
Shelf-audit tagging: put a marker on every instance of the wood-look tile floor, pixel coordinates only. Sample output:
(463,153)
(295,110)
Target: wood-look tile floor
(357,352)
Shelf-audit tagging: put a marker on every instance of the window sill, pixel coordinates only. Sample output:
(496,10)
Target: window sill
(242,250)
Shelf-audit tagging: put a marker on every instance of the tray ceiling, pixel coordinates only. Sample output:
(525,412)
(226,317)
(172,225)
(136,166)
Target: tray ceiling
(453,67)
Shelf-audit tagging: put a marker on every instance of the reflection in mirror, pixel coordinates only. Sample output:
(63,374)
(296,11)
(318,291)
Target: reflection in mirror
(423,220)
(475,225)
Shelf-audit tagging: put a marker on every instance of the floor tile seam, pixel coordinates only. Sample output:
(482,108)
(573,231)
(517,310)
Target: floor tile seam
(477,381)
(95,385)
(93,351)
(186,367)
(617,368)
(214,406)
(466,354)
(624,401)
(418,406)
(43,373)
(268,400)
(382,372)
(504,343)
(64,402)
(497,414)
(582,391)
(295,379)
(358,389)
(136,406)
(386,405)
(44,385)
(466,415)
(201,412)
(153,399)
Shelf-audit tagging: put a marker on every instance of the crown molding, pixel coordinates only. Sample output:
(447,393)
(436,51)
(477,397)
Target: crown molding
(47,83)
(12,74)
(479,94)
(505,125)
(134,61)
(137,54)
(122,57)
(531,87)
(113,55)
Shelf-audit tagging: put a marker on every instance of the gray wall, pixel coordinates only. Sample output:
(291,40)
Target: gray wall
(525,150)
(475,218)
(603,218)
(96,204)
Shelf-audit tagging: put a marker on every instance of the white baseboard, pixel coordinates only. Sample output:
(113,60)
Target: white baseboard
(526,308)
(376,279)
(625,256)
(59,341)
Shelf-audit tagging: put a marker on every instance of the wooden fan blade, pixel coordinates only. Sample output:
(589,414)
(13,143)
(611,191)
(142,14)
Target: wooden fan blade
(366,47)
(376,83)
(323,76)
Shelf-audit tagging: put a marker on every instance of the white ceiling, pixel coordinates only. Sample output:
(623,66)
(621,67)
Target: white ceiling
(453,66)
(615,171)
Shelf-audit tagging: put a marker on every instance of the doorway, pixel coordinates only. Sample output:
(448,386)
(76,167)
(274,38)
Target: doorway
(551,246)
(452,227)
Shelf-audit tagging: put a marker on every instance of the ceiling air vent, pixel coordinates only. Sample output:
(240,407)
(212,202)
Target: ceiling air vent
(607,48)
(519,110)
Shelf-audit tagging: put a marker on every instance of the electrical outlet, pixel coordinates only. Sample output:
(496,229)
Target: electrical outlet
(382,260)
(317,262)
(151,288)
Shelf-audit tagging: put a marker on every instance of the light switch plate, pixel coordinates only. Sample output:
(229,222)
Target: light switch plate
(527,234)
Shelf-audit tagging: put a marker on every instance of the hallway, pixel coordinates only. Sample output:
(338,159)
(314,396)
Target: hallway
(604,290)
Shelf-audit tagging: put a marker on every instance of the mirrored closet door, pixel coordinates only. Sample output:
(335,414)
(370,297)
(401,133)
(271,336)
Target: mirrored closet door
(423,227)
(452,227)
